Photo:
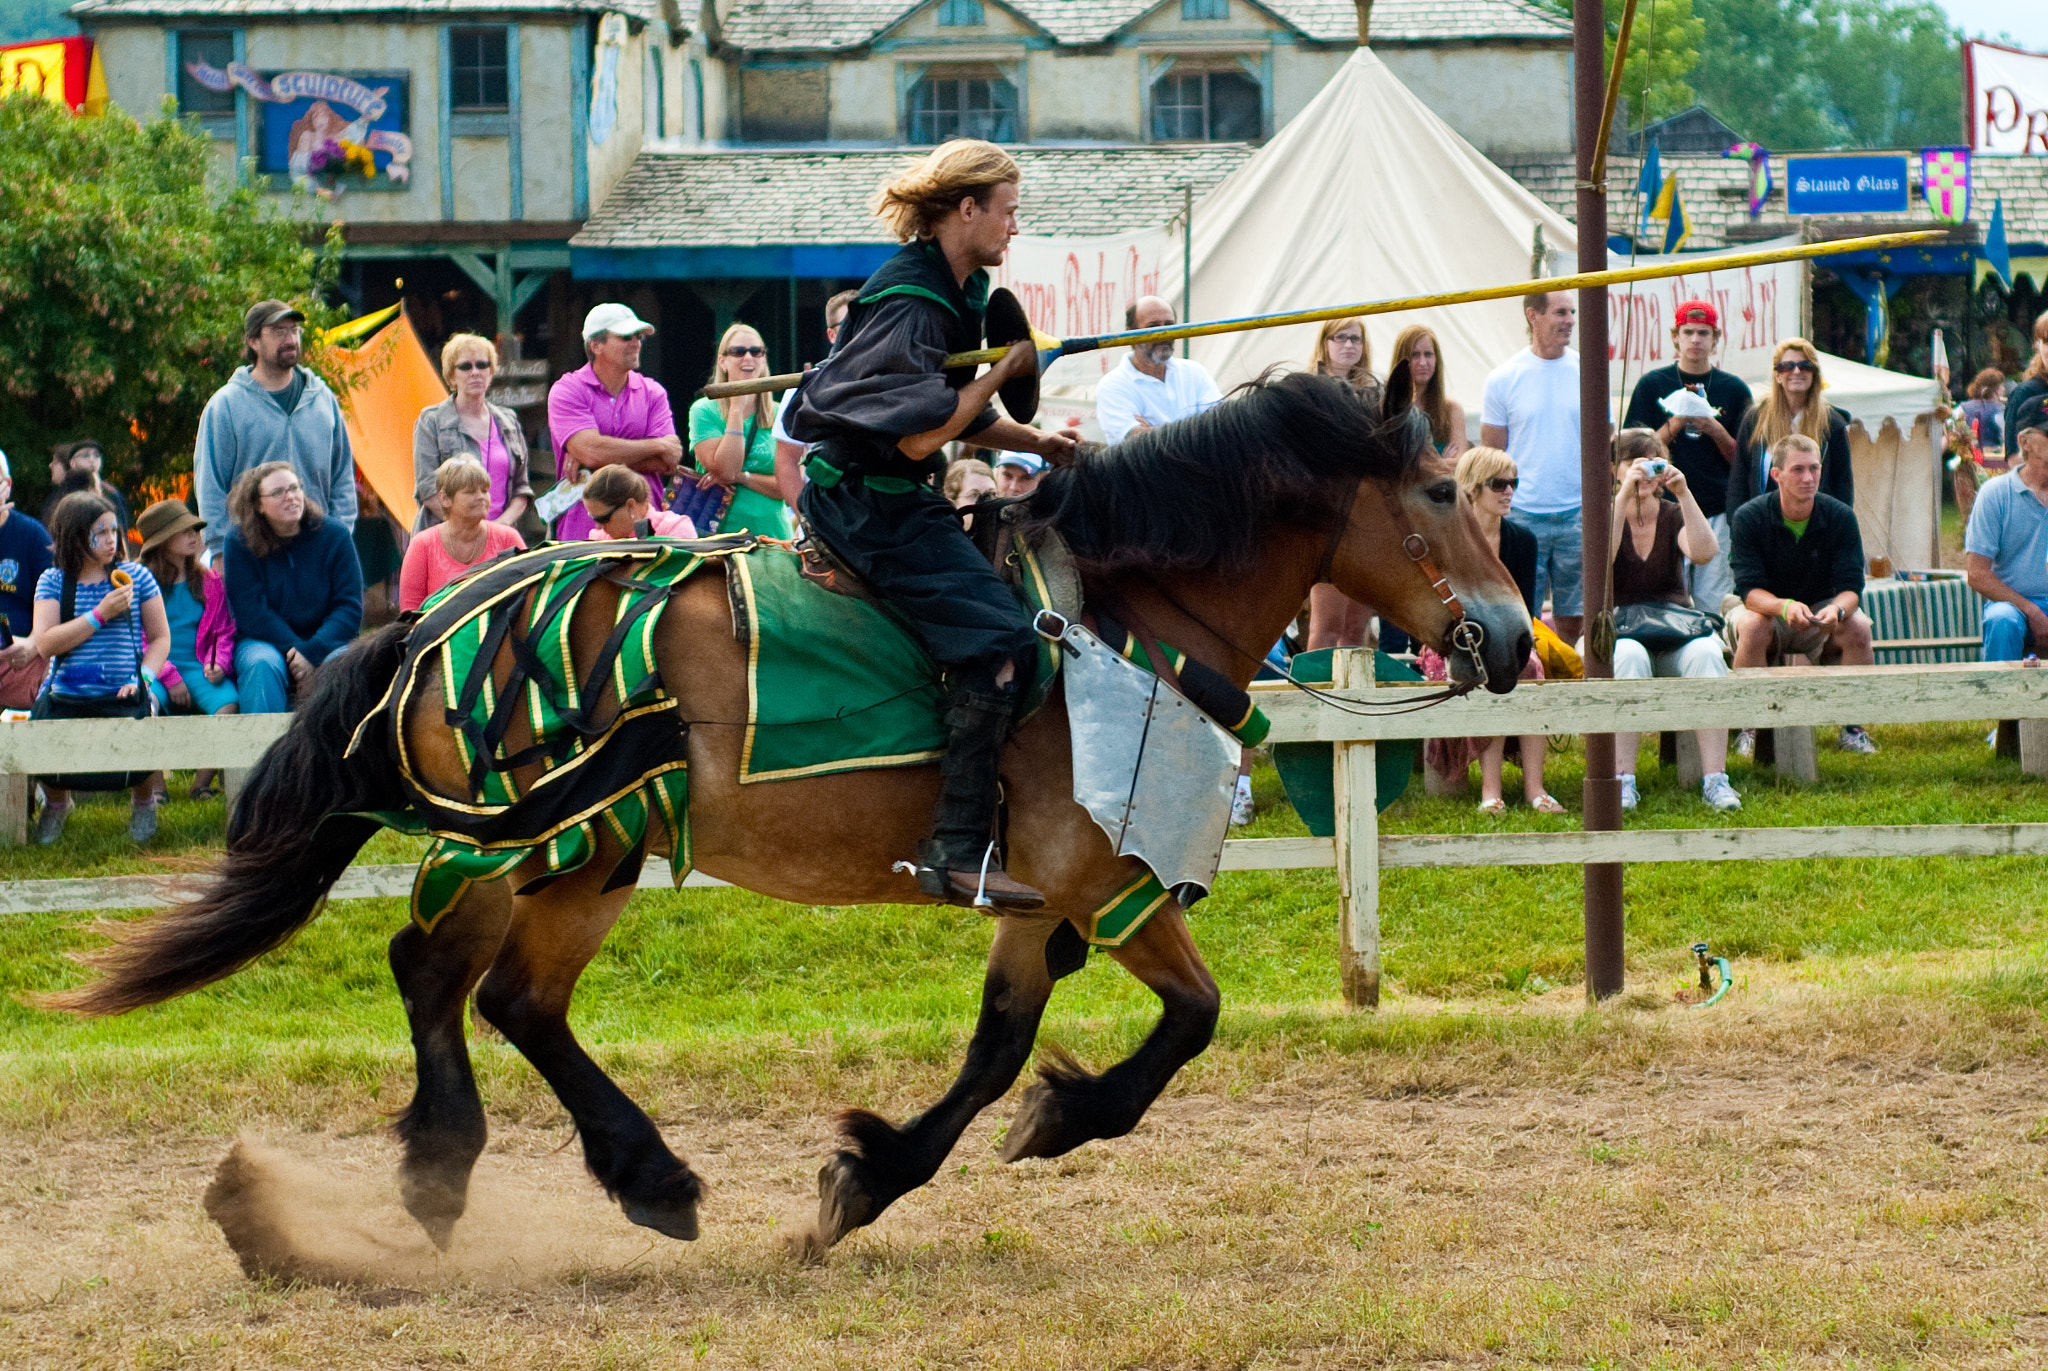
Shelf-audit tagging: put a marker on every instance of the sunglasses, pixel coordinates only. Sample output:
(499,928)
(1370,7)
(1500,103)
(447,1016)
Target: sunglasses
(602,519)
(1501,485)
(473,366)
(746,352)
(1797,366)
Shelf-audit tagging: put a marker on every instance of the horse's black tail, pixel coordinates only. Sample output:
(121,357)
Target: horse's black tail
(293,832)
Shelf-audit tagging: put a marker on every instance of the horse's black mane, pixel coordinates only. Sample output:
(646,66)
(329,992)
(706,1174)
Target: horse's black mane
(1204,491)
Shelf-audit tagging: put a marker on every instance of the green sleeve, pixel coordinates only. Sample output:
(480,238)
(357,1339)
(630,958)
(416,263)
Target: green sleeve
(705,420)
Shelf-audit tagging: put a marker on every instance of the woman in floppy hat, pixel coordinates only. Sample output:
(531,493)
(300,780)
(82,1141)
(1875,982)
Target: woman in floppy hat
(199,677)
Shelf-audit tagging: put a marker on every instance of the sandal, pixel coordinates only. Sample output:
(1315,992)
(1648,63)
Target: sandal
(1547,804)
(209,791)
(1493,807)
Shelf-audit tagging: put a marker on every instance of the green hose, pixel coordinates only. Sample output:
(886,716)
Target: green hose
(1720,964)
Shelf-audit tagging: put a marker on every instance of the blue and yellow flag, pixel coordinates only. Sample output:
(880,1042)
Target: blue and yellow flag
(1650,185)
(1676,229)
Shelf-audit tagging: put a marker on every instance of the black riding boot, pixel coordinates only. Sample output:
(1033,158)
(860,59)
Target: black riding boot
(958,862)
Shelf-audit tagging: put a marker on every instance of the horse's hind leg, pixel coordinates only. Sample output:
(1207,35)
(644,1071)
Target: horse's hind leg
(1067,1107)
(880,1163)
(526,994)
(443,1129)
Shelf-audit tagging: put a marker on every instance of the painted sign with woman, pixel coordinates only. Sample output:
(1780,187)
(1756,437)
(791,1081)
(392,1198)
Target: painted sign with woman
(310,118)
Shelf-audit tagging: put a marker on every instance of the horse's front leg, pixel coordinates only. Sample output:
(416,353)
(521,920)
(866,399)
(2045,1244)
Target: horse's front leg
(443,1129)
(526,995)
(881,1162)
(1067,1107)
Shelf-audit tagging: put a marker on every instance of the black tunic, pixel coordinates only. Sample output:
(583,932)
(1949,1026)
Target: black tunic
(1697,455)
(873,505)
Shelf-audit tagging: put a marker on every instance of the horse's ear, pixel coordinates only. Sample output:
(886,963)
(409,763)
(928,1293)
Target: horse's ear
(1399,393)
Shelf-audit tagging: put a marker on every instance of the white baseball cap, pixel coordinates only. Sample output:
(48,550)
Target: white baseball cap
(1030,462)
(614,319)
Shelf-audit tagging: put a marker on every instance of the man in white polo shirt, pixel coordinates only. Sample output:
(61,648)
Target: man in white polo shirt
(1530,410)
(1151,386)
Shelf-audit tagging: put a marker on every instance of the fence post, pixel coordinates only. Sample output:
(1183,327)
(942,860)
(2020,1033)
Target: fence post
(1358,846)
(2033,746)
(14,798)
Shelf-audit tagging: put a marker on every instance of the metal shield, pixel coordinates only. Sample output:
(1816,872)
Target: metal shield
(1156,773)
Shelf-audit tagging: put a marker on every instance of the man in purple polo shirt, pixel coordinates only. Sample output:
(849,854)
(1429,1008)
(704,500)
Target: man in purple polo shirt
(608,414)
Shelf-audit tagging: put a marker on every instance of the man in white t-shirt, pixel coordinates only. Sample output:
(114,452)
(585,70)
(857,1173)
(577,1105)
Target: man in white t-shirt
(1151,386)
(1531,412)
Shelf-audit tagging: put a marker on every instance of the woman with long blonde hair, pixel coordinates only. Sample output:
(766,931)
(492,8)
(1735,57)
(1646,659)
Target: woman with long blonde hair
(733,439)
(1418,347)
(1794,405)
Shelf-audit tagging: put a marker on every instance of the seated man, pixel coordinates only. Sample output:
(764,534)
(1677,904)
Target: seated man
(2006,547)
(1798,565)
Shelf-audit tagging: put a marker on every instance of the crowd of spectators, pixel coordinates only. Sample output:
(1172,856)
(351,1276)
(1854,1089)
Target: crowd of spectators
(1735,509)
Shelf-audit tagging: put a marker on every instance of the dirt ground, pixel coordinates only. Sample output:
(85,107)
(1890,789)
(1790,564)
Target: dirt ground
(1815,1213)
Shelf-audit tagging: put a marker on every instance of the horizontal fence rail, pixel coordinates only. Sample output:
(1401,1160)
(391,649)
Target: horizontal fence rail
(1774,698)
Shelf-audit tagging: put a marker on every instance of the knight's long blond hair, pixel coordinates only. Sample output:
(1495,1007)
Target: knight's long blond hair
(913,202)
(1774,411)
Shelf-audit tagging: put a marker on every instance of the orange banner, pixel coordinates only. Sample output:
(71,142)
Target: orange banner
(380,413)
(64,70)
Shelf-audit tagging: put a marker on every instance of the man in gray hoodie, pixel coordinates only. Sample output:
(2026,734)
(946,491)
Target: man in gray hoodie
(272,410)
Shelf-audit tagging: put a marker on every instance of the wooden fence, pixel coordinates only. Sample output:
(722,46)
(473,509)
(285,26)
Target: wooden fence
(1782,697)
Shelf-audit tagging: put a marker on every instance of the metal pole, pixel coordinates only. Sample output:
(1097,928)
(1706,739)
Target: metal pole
(1187,259)
(1603,791)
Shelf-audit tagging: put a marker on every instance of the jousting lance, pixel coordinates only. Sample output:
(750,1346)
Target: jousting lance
(1007,324)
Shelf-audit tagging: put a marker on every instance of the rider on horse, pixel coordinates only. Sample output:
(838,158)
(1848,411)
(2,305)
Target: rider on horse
(880,412)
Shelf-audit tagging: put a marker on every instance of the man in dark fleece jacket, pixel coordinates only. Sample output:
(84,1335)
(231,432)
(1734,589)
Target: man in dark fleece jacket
(295,587)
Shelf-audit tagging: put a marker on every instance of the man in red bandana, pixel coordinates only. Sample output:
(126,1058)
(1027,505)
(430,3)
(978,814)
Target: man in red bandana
(1702,447)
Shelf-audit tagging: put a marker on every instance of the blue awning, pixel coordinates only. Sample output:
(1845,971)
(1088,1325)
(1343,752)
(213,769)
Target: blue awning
(803,260)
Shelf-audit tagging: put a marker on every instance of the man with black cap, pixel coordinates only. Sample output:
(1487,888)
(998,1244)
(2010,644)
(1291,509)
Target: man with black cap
(273,410)
(1701,445)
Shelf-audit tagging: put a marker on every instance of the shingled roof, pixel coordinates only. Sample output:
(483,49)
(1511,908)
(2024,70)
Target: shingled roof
(755,199)
(88,11)
(1715,193)
(837,25)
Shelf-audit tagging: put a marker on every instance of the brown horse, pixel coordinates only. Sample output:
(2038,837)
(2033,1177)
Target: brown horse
(1211,529)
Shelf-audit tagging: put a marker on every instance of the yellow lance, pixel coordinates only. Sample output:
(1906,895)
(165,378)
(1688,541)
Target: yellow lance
(1007,326)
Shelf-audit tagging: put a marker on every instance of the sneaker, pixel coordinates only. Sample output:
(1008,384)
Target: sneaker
(1241,809)
(1718,794)
(50,827)
(1991,738)
(1854,739)
(1628,793)
(142,822)
(1745,743)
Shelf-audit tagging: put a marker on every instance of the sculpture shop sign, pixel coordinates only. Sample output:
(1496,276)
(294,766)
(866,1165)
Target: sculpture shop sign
(2005,95)
(1845,185)
(307,112)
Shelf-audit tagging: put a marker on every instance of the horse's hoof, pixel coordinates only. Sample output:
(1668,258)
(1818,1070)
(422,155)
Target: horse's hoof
(844,1202)
(1038,1130)
(673,1219)
(435,1204)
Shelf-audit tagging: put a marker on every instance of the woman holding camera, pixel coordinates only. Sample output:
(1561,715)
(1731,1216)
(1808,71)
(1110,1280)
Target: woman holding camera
(1652,539)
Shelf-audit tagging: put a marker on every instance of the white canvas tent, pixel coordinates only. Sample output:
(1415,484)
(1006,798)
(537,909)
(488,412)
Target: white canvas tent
(1366,195)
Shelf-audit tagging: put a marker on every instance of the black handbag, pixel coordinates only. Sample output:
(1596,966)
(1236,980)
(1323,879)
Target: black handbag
(1660,627)
(53,704)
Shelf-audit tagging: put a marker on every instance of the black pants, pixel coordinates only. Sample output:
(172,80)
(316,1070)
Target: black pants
(911,550)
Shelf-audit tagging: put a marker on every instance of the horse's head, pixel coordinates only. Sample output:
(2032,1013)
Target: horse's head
(1412,548)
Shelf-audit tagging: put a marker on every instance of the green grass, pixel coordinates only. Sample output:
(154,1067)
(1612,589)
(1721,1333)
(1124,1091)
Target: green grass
(728,975)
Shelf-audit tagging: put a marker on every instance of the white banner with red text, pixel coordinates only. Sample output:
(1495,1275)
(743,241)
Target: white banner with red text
(2005,98)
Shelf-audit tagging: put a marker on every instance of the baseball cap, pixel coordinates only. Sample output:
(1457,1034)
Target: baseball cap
(1697,312)
(1030,462)
(264,313)
(2033,414)
(615,319)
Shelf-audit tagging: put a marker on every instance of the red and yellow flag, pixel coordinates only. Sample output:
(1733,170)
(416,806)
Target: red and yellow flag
(65,70)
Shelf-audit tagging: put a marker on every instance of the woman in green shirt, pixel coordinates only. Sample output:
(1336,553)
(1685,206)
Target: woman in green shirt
(734,439)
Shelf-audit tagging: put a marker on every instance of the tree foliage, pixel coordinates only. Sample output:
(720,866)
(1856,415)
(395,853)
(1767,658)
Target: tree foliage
(1663,49)
(1832,73)
(123,281)
(24,19)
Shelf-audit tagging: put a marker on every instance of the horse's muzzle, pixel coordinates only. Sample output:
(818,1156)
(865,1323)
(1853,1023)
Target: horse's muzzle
(1488,653)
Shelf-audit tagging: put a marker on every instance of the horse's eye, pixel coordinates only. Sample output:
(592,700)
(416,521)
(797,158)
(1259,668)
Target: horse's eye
(1443,492)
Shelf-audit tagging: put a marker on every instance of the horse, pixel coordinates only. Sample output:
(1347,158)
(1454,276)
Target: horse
(1209,530)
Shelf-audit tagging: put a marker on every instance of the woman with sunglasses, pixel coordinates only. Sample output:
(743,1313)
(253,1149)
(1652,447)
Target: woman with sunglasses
(1793,406)
(467,425)
(733,440)
(100,621)
(1487,478)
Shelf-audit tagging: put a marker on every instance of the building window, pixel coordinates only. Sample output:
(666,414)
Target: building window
(1206,107)
(943,107)
(208,49)
(1204,9)
(960,14)
(477,69)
